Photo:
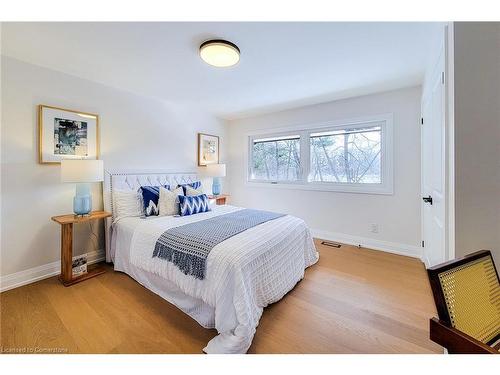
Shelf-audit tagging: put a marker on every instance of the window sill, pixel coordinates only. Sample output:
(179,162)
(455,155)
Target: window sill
(337,188)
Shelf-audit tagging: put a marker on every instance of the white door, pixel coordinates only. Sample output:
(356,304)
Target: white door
(433,168)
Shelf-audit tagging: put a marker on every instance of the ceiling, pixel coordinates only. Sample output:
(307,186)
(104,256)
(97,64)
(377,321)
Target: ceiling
(282,65)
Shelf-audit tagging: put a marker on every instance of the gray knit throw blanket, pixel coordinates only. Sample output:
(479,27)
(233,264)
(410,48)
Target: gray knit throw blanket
(188,246)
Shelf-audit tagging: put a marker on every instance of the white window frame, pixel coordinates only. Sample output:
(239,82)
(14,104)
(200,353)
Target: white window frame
(385,121)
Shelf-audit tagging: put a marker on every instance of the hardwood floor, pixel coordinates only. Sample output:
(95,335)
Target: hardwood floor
(352,301)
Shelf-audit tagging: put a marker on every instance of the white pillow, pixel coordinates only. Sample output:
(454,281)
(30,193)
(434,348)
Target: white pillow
(190,191)
(127,203)
(168,203)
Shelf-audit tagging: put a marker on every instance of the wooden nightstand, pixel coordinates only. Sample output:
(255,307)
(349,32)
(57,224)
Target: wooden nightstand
(67,221)
(220,199)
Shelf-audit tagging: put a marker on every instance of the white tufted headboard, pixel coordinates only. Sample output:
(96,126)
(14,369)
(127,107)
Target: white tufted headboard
(132,180)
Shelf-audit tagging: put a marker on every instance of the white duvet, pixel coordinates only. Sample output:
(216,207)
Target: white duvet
(244,273)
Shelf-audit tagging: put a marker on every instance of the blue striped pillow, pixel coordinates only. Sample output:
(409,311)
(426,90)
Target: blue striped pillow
(150,196)
(195,185)
(194,204)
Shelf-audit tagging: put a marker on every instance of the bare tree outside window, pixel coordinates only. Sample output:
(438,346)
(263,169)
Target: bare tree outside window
(346,156)
(349,157)
(276,159)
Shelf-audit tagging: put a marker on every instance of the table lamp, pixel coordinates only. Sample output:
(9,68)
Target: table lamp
(216,171)
(83,172)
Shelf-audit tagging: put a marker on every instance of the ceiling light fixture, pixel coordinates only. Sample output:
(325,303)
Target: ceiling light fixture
(220,53)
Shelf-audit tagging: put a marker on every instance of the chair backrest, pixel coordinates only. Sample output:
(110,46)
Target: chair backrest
(467,295)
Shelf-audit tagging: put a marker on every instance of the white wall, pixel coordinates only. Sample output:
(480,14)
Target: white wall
(345,216)
(136,132)
(477,137)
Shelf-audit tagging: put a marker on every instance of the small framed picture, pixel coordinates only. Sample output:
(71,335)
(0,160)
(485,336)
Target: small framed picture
(208,149)
(66,134)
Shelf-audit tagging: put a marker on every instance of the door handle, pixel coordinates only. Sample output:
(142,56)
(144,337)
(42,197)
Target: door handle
(427,199)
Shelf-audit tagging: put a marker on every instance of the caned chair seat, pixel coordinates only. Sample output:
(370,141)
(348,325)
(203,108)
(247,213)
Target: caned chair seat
(467,296)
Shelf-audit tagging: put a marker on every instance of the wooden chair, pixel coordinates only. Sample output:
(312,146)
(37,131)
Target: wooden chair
(467,296)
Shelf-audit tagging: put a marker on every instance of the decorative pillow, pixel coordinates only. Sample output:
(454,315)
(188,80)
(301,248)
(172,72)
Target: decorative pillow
(150,196)
(194,185)
(194,204)
(168,204)
(126,203)
(189,191)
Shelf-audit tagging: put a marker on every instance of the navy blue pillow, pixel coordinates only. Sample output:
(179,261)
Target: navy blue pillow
(195,185)
(150,196)
(194,204)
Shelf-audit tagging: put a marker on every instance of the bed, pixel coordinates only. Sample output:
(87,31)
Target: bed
(244,273)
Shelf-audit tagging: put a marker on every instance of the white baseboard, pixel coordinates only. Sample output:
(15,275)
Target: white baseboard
(31,275)
(425,260)
(389,247)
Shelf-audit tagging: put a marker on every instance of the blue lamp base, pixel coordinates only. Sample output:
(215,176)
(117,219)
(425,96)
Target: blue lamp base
(82,202)
(216,186)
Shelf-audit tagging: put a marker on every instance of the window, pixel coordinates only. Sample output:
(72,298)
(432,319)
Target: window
(351,157)
(346,155)
(276,159)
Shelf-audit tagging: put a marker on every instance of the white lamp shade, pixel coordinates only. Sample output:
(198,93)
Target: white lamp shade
(216,170)
(84,170)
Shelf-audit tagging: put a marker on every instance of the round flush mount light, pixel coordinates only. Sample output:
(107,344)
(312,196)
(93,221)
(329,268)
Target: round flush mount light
(220,53)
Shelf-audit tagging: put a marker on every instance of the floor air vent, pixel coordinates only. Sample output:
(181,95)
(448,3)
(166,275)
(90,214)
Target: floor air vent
(331,244)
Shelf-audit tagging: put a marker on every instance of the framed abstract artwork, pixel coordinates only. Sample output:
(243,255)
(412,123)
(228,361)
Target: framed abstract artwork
(208,149)
(66,134)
